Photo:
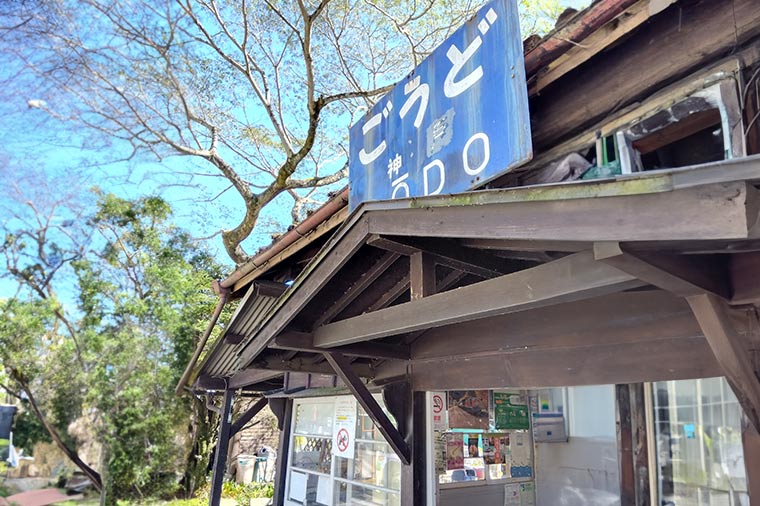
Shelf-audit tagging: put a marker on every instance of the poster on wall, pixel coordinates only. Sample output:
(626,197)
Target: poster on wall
(438,413)
(472,446)
(344,427)
(520,494)
(495,448)
(510,411)
(468,409)
(520,455)
(439,441)
(454,451)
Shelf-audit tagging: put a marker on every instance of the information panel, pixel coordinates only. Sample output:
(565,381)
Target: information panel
(459,120)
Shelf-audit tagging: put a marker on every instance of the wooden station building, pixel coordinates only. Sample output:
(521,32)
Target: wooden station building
(609,288)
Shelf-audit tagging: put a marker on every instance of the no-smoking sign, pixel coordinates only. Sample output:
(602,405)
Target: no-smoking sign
(437,404)
(439,411)
(344,427)
(343,440)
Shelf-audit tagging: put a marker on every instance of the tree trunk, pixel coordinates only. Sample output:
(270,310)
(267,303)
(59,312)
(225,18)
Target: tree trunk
(71,454)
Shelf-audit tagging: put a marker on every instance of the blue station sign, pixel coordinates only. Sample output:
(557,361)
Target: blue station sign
(459,120)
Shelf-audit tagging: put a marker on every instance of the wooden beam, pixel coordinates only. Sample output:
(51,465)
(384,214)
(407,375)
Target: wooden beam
(523,245)
(449,254)
(658,360)
(421,275)
(232,338)
(683,275)
(302,341)
(389,296)
(318,273)
(745,277)
(666,48)
(630,19)
(730,351)
(342,368)
(222,447)
(246,377)
(248,415)
(367,278)
(206,382)
(643,209)
(574,277)
(618,319)
(313,365)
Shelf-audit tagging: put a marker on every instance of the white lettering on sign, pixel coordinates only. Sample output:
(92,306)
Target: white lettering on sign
(466,152)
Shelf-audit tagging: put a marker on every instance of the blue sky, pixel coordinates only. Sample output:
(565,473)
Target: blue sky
(34,143)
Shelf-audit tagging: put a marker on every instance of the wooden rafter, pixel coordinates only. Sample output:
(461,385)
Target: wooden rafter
(302,341)
(731,351)
(449,254)
(366,279)
(574,277)
(342,368)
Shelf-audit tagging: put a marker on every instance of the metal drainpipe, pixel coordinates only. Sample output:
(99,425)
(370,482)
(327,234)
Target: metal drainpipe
(224,295)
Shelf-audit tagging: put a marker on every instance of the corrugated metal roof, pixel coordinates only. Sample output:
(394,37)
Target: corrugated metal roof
(222,361)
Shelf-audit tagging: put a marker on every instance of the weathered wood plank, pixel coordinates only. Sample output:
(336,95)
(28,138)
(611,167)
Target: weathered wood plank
(574,277)
(421,275)
(246,377)
(623,318)
(450,254)
(668,359)
(391,434)
(624,444)
(668,47)
(730,351)
(682,275)
(322,270)
(302,341)
(357,288)
(745,277)
(726,211)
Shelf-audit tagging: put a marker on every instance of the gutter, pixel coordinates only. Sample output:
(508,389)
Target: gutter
(224,295)
(332,206)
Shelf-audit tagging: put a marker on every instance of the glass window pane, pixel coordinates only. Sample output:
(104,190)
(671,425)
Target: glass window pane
(351,494)
(314,418)
(699,448)
(312,454)
(309,489)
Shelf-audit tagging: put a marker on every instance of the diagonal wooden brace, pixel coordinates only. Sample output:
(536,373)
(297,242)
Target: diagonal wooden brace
(246,417)
(730,350)
(392,435)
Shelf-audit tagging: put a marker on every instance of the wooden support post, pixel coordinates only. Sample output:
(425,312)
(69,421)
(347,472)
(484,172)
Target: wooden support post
(282,408)
(640,445)
(625,450)
(730,351)
(421,275)
(222,446)
(343,369)
(248,416)
(419,460)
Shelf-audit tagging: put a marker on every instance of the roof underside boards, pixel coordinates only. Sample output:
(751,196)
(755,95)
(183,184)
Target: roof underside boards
(222,358)
(523,259)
